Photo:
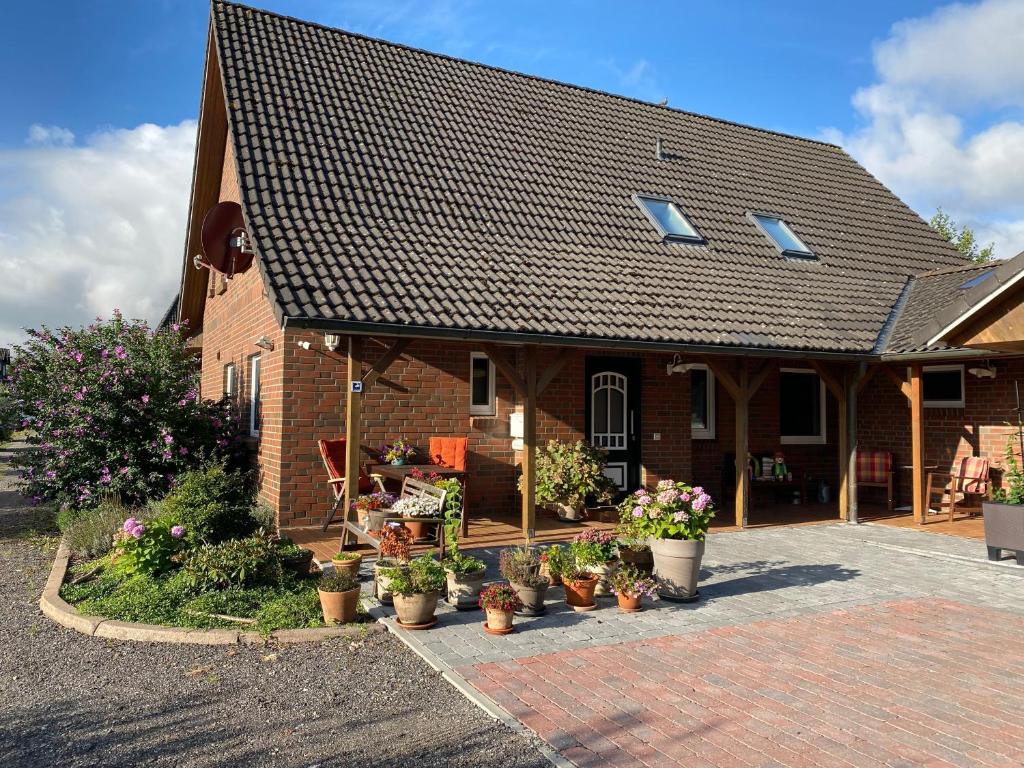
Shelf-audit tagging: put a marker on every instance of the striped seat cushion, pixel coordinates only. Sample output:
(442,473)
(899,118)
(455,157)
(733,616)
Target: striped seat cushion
(873,466)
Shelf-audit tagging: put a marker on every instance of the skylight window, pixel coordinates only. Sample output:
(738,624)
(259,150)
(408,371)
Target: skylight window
(670,221)
(782,236)
(977,280)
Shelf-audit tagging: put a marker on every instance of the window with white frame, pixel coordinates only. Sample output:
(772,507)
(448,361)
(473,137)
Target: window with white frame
(942,386)
(255,397)
(702,403)
(801,406)
(481,385)
(230,380)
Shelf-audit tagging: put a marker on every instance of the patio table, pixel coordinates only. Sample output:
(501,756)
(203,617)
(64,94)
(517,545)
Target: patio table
(400,471)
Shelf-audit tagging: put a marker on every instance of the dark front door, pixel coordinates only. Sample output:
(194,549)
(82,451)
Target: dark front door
(613,416)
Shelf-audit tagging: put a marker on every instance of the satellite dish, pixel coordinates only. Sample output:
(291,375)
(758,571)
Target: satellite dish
(226,245)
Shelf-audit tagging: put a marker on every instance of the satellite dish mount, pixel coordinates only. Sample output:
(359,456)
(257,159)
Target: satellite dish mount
(227,248)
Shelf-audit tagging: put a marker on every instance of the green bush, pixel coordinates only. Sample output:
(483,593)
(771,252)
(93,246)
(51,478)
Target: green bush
(422,575)
(91,534)
(139,598)
(233,563)
(150,545)
(572,474)
(213,505)
(293,610)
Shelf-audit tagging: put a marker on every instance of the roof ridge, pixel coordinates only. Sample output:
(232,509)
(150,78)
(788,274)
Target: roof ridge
(956,268)
(539,78)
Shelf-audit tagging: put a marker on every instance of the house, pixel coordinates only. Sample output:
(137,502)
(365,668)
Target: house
(440,244)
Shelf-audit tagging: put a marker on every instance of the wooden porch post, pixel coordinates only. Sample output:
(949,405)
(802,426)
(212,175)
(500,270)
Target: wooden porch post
(852,387)
(353,413)
(530,445)
(917,440)
(843,402)
(742,400)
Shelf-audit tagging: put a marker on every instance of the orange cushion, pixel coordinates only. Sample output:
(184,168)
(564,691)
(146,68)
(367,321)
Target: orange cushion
(449,452)
(333,453)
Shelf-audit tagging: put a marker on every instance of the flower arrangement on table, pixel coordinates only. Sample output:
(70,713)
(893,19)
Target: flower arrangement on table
(415,506)
(399,452)
(672,511)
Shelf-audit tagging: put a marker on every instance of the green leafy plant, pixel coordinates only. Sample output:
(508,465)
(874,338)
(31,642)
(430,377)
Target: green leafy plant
(521,565)
(148,546)
(291,610)
(113,409)
(602,541)
(423,575)
(233,563)
(672,511)
(500,597)
(339,582)
(461,564)
(346,556)
(213,504)
(91,533)
(629,531)
(628,581)
(962,238)
(571,474)
(1013,479)
(558,558)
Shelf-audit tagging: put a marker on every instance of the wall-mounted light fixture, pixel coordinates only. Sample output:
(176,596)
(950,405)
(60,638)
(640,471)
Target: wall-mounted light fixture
(987,371)
(678,366)
(264,342)
(303,344)
(332,341)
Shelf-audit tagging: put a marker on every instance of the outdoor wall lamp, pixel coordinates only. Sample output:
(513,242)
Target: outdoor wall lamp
(678,366)
(264,342)
(332,341)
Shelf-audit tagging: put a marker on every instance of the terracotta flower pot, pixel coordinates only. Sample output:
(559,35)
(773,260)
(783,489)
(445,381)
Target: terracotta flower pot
(384,582)
(641,559)
(604,574)
(579,593)
(416,609)
(677,567)
(629,604)
(464,589)
(417,529)
(349,565)
(532,598)
(498,620)
(339,607)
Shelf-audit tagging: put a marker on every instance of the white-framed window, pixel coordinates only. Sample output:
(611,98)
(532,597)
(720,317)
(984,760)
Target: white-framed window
(230,380)
(482,399)
(702,403)
(942,385)
(801,407)
(255,397)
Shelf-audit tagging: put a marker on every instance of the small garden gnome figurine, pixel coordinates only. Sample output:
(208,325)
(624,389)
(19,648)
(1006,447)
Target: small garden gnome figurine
(779,470)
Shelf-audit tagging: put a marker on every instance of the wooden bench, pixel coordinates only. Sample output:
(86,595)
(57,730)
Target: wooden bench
(411,488)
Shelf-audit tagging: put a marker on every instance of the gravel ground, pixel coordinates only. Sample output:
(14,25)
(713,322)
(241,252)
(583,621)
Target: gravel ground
(70,700)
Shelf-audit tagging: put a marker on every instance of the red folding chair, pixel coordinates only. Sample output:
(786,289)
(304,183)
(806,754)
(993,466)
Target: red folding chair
(333,453)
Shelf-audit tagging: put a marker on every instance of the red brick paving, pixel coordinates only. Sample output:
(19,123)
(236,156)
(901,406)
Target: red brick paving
(907,683)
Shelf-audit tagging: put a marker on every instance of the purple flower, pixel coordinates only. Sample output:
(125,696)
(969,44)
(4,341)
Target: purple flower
(638,511)
(701,502)
(681,516)
(177,531)
(667,497)
(168,439)
(138,530)
(130,525)
(119,353)
(145,398)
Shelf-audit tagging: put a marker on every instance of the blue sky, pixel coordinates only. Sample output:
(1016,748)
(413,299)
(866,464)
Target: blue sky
(99,98)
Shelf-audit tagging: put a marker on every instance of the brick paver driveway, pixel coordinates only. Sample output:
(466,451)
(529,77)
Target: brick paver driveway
(828,645)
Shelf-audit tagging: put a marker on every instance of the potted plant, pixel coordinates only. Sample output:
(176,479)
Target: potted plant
(339,598)
(553,561)
(630,587)
(521,566)
(293,557)
(412,507)
(602,552)
(579,582)
(1004,515)
(569,475)
(371,509)
(675,517)
(465,577)
(499,602)
(347,562)
(395,543)
(398,453)
(416,590)
(632,543)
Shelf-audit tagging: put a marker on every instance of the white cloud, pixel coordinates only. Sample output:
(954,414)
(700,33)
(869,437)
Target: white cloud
(87,229)
(49,135)
(941,126)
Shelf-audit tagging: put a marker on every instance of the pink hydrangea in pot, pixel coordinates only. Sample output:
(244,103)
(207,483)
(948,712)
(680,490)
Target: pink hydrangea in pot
(675,517)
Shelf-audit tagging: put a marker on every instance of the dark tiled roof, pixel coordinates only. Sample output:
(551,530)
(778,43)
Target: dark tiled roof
(389,185)
(170,315)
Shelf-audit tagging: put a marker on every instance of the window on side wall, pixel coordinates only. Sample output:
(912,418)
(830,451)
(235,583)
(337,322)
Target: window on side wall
(942,385)
(801,407)
(702,403)
(255,397)
(481,385)
(230,381)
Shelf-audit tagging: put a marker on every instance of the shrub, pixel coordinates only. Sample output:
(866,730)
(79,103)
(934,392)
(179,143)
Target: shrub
(1013,479)
(292,610)
(521,565)
(112,408)
(9,417)
(148,546)
(602,541)
(461,564)
(339,582)
(91,534)
(500,597)
(233,563)
(572,474)
(672,511)
(422,575)
(213,504)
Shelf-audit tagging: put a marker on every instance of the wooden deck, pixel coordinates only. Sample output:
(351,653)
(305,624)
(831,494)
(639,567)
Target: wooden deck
(964,527)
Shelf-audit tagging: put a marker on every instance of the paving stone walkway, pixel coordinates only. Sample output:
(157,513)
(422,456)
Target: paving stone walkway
(819,645)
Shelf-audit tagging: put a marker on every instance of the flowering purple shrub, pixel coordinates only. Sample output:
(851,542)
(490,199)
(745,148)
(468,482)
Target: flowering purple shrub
(671,511)
(148,546)
(113,410)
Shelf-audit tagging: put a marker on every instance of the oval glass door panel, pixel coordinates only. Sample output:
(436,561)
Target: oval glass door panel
(608,412)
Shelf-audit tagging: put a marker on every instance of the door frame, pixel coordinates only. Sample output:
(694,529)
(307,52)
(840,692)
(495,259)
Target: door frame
(632,369)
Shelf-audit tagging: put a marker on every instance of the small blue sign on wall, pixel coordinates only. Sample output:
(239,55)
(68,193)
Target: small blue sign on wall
(357,386)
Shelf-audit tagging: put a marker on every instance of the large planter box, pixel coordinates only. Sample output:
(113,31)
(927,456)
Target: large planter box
(1004,529)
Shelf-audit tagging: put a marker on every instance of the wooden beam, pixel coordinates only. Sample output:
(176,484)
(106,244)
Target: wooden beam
(898,380)
(723,375)
(865,376)
(506,368)
(757,378)
(530,445)
(742,401)
(917,440)
(835,386)
(353,414)
(842,400)
(855,383)
(385,360)
(552,371)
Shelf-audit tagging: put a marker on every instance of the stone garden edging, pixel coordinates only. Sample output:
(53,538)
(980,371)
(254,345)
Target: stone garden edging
(55,608)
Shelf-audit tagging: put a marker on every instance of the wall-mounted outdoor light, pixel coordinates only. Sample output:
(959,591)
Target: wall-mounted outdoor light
(332,341)
(264,342)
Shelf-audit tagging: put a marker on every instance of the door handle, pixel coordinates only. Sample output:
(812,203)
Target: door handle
(631,430)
